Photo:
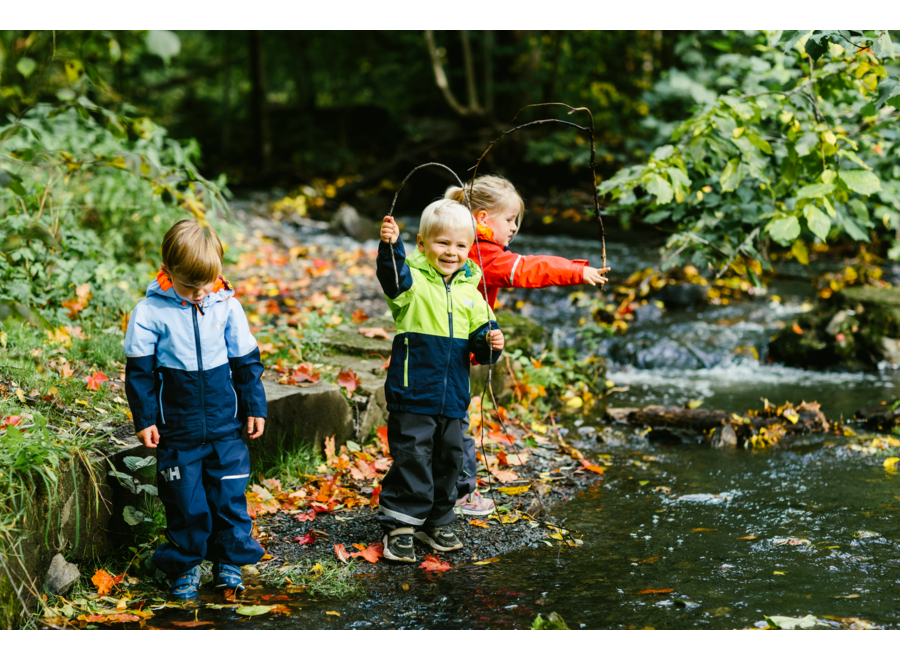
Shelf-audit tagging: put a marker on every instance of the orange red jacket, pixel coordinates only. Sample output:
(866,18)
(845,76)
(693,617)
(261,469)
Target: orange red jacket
(503,268)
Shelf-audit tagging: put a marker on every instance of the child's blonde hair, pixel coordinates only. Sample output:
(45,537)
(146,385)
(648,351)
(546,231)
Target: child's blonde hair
(489,193)
(192,252)
(443,215)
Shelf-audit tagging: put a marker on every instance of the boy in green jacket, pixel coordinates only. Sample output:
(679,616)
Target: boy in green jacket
(441,318)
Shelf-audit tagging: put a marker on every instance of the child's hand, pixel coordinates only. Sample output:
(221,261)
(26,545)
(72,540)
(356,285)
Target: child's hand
(495,337)
(390,232)
(255,426)
(149,436)
(594,276)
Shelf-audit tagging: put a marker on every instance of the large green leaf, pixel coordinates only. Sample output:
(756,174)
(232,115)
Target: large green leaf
(887,89)
(732,175)
(853,229)
(815,190)
(164,43)
(861,181)
(819,223)
(660,188)
(784,229)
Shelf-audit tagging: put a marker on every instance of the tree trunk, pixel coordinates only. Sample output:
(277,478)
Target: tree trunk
(258,112)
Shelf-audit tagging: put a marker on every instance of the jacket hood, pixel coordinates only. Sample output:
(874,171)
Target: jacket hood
(470,272)
(162,286)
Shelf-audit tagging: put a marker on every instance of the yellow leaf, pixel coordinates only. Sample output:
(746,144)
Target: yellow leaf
(487,561)
(20,395)
(317,569)
(778,573)
(798,249)
(829,137)
(694,404)
(575,402)
(404,586)
(333,613)
(3,339)
(738,132)
(891,463)
(478,523)
(791,417)
(513,490)
(538,428)
(849,432)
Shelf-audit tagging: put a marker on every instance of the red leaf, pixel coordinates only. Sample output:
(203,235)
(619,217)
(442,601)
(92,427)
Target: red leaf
(276,597)
(14,420)
(432,563)
(93,382)
(307,516)
(593,468)
(501,459)
(349,380)
(341,553)
(374,333)
(376,493)
(306,539)
(359,316)
(371,553)
(383,437)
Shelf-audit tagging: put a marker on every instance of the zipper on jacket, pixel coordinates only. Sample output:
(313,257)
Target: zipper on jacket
(406,364)
(162,416)
(199,374)
(235,401)
(450,343)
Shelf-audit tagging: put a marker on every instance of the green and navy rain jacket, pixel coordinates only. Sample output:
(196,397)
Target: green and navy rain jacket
(438,325)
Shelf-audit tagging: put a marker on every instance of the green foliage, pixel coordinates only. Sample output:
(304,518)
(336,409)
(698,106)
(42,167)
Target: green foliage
(330,577)
(553,622)
(788,152)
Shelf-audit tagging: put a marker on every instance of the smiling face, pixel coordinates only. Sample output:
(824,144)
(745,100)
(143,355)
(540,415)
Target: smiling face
(446,250)
(191,291)
(502,223)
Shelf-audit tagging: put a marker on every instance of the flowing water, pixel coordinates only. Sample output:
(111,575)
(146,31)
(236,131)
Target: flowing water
(677,536)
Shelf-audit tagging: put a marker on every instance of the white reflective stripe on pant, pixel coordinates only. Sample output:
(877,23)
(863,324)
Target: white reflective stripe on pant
(236,476)
(402,517)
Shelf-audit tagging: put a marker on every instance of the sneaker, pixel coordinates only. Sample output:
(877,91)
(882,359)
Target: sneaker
(439,538)
(474,504)
(187,585)
(228,576)
(398,545)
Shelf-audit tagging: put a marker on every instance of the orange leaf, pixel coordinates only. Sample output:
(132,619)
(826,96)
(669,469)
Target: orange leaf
(374,333)
(590,466)
(349,380)
(190,624)
(359,316)
(308,516)
(329,447)
(478,523)
(66,371)
(796,328)
(432,563)
(104,581)
(371,553)
(13,420)
(655,591)
(93,382)
(501,459)
(341,553)
(504,476)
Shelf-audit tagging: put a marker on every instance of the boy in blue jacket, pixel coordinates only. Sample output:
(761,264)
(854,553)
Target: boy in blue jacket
(441,318)
(192,374)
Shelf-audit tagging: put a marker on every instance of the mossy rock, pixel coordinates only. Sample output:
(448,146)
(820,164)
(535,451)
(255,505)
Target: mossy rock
(855,330)
(521,333)
(350,342)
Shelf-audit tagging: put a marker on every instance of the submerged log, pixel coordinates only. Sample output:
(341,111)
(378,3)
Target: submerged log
(809,419)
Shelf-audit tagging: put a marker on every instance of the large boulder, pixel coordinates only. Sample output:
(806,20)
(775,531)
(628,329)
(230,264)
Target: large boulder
(347,220)
(856,329)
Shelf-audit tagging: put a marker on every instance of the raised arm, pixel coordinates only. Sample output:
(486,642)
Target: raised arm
(393,284)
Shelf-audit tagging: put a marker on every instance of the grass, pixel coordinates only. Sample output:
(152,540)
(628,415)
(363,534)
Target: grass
(285,461)
(329,577)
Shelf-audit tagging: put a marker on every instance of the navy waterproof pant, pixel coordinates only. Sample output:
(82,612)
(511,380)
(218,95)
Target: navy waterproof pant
(420,488)
(466,483)
(202,487)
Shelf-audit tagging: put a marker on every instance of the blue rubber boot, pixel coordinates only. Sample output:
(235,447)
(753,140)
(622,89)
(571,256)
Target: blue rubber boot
(187,585)
(228,576)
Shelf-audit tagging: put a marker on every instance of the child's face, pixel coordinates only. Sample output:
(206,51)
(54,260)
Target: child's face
(503,223)
(446,251)
(190,291)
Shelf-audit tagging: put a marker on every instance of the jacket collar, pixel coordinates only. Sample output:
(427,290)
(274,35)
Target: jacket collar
(162,286)
(468,273)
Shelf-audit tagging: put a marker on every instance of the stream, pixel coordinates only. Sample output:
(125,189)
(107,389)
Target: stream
(677,535)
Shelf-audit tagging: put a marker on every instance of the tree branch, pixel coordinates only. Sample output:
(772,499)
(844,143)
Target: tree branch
(441,78)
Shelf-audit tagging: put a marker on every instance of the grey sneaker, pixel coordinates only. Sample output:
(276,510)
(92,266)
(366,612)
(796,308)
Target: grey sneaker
(439,538)
(398,545)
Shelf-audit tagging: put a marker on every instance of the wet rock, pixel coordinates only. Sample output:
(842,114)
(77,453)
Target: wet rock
(351,342)
(648,312)
(878,416)
(681,296)
(347,220)
(587,431)
(61,575)
(724,436)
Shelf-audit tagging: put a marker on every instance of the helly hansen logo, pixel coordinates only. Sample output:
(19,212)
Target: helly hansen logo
(469,303)
(172,474)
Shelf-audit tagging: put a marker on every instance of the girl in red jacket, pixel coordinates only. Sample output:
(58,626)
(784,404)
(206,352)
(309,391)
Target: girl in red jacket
(498,208)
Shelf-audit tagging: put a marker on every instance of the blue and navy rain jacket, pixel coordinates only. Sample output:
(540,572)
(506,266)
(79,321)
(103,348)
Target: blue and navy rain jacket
(193,370)
(438,325)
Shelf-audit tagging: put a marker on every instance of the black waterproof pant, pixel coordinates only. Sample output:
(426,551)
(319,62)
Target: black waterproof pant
(466,483)
(420,488)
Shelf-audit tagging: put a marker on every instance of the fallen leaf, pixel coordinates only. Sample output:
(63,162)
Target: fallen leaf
(308,516)
(654,591)
(253,610)
(306,539)
(797,329)
(104,581)
(374,333)
(487,561)
(333,613)
(778,573)
(276,597)
(432,563)
(891,463)
(370,553)
(478,523)
(93,382)
(359,316)
(348,380)
(504,476)
(191,624)
(593,468)
(66,371)
(513,490)
(747,538)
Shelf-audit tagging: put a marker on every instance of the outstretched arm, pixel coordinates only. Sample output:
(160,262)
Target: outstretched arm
(535,271)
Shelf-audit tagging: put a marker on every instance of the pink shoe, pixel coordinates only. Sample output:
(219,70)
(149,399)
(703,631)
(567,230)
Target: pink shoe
(474,505)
